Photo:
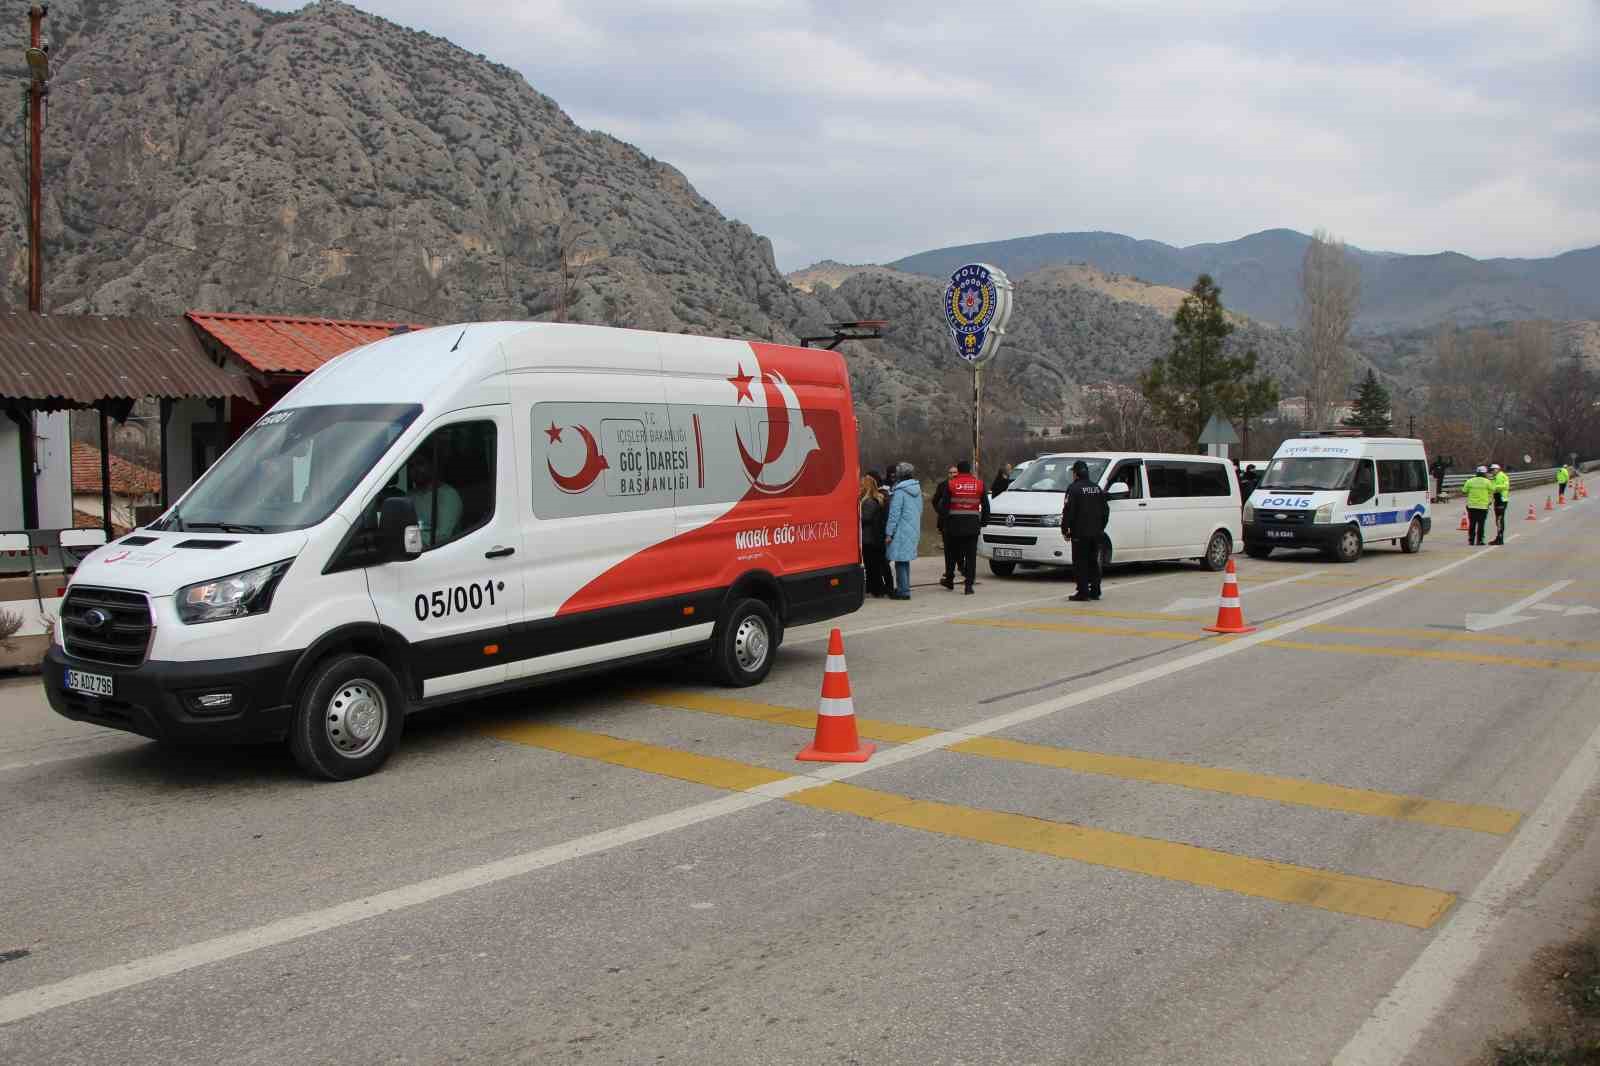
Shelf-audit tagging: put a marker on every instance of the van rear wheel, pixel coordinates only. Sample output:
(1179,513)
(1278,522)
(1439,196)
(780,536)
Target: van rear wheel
(348,718)
(1217,551)
(744,642)
(1411,543)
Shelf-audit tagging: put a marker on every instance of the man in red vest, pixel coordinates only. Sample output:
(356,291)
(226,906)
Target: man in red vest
(966,511)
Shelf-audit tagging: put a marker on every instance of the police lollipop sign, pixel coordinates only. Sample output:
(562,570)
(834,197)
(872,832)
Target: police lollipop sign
(977,306)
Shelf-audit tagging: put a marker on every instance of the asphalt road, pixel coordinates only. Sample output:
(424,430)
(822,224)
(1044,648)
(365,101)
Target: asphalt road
(1091,833)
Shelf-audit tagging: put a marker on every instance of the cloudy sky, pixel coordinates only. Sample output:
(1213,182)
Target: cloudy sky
(867,131)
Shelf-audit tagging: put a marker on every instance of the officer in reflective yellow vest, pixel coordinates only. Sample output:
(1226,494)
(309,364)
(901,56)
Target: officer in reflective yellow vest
(1500,487)
(1478,489)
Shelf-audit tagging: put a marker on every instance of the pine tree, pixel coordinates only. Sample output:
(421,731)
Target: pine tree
(1372,410)
(1197,378)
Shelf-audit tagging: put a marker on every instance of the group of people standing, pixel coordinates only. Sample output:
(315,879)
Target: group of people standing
(1488,485)
(891,526)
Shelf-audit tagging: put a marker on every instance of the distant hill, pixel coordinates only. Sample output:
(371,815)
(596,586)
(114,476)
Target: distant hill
(1259,275)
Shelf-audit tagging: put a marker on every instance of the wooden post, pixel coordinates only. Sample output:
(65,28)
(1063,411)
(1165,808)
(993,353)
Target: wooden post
(166,417)
(105,477)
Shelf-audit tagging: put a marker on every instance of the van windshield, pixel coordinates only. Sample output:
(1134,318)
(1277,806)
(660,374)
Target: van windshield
(1054,474)
(1306,475)
(291,469)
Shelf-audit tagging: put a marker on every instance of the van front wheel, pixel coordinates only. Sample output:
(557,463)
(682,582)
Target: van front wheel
(743,645)
(1347,549)
(348,719)
(1002,569)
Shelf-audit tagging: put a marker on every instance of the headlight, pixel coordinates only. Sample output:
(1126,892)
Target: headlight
(1249,513)
(233,596)
(1050,520)
(1324,514)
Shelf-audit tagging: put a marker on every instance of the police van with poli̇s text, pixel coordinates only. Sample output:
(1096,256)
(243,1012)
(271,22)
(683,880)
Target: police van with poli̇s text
(1339,493)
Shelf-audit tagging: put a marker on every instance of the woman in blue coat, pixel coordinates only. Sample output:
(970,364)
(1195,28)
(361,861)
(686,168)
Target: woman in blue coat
(905,528)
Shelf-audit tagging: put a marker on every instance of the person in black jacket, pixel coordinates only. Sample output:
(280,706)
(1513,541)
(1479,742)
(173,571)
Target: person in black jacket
(1002,480)
(941,511)
(1083,521)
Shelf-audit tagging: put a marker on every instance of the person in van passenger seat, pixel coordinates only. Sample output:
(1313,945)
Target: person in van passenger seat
(424,491)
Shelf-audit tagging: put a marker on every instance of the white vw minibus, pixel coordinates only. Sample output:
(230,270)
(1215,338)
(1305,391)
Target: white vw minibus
(1162,506)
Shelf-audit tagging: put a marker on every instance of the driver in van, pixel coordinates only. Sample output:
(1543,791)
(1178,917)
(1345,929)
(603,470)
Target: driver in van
(425,489)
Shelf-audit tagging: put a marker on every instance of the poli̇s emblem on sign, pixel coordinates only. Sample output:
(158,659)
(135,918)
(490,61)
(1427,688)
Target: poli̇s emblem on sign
(977,306)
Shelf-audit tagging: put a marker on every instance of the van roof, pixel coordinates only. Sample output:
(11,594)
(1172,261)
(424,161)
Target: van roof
(431,364)
(1131,455)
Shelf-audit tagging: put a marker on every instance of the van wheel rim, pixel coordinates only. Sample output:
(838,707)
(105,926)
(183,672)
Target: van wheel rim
(1218,553)
(751,642)
(356,718)
(1414,536)
(1349,544)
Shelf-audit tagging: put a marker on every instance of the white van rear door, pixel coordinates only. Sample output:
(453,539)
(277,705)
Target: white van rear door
(451,604)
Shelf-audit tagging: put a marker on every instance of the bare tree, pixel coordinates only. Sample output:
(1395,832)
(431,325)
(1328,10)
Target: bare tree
(575,248)
(1330,294)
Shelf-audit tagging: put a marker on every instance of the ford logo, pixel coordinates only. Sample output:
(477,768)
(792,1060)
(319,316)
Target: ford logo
(1011,519)
(96,618)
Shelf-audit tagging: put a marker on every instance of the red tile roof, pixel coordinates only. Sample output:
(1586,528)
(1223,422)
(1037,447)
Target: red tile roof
(85,520)
(127,479)
(277,345)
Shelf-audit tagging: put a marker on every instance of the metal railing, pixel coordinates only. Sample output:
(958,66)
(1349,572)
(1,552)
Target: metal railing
(1520,478)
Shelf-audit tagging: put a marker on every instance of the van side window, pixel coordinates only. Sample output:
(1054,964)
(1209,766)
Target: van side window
(450,480)
(1365,484)
(1402,475)
(1167,479)
(1127,473)
(1208,479)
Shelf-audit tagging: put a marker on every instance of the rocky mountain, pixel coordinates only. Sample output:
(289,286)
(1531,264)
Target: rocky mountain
(1260,275)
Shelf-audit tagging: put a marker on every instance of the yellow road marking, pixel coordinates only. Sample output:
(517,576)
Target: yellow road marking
(870,728)
(1364,897)
(1464,638)
(1576,666)
(1134,616)
(651,758)
(1068,627)
(1270,787)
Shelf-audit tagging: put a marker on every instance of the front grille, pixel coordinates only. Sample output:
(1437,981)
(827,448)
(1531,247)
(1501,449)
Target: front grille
(1016,520)
(1269,516)
(997,538)
(123,639)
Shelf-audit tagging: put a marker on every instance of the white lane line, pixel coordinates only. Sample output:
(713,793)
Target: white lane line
(1505,616)
(924,619)
(1194,603)
(1399,1021)
(29,1002)
(101,748)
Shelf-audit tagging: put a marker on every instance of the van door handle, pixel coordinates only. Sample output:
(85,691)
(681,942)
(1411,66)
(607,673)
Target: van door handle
(498,552)
(1143,504)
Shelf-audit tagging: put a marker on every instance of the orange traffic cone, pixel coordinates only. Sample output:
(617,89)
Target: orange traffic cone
(1547,506)
(836,739)
(1230,617)
(1562,499)
(1532,517)
(1463,527)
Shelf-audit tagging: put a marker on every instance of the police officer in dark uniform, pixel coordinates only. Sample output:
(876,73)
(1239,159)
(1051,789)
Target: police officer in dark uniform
(1083,521)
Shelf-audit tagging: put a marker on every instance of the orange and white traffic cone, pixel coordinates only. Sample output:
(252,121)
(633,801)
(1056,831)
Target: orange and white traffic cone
(1562,499)
(1547,506)
(1463,527)
(1532,516)
(836,739)
(1230,616)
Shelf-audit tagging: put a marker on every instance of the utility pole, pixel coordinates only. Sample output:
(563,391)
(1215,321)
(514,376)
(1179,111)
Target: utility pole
(39,68)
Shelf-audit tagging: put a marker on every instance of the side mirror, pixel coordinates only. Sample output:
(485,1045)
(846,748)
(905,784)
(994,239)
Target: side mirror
(1117,491)
(399,532)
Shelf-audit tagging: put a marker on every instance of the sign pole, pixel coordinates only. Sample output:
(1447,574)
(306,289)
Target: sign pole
(977,416)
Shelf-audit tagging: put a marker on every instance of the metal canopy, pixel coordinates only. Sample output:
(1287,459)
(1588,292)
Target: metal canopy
(53,362)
